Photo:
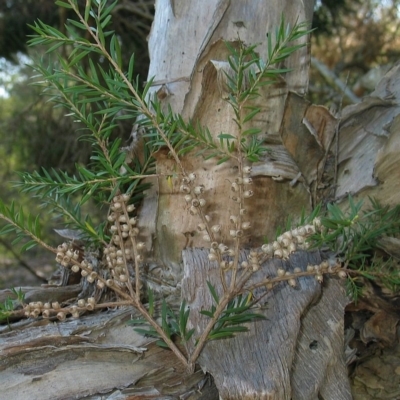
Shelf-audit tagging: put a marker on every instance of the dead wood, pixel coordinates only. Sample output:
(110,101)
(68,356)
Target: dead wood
(96,355)
(295,353)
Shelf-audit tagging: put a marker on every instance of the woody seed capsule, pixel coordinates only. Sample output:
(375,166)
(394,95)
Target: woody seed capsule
(246,225)
(188,198)
(75,268)
(185,189)
(231,252)
(130,208)
(233,219)
(280,272)
(61,316)
(234,187)
(140,246)
(342,274)
(216,228)
(212,257)
(81,303)
(292,247)
(100,284)
(267,249)
(192,176)
(199,189)
(278,253)
(126,197)
(292,282)
(276,245)
(133,221)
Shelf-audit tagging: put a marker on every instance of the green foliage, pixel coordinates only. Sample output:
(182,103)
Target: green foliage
(97,99)
(247,75)
(354,237)
(98,95)
(231,320)
(228,323)
(8,306)
(22,224)
(172,324)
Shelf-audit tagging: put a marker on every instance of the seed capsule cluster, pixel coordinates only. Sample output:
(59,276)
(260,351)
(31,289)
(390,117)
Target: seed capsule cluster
(318,271)
(291,241)
(70,258)
(66,255)
(124,246)
(196,204)
(54,309)
(326,267)
(193,194)
(218,251)
(241,186)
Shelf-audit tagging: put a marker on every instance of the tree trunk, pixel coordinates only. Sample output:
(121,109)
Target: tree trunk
(298,351)
(187,51)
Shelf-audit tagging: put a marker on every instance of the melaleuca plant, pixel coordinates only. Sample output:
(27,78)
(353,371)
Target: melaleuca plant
(98,95)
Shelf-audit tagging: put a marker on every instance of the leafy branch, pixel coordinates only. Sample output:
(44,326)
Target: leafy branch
(97,98)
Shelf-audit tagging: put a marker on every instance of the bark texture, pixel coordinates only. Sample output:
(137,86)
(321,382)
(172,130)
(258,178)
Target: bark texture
(188,53)
(297,352)
(97,356)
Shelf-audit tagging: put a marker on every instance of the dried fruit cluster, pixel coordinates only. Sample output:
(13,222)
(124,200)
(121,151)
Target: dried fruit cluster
(291,241)
(48,310)
(124,247)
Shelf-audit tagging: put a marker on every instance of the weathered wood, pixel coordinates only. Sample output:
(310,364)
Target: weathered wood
(187,48)
(297,352)
(96,355)
(369,144)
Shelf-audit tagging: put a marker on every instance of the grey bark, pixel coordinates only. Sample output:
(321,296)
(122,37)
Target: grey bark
(297,352)
(299,347)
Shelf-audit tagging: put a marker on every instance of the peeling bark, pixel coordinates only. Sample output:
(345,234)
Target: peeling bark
(297,352)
